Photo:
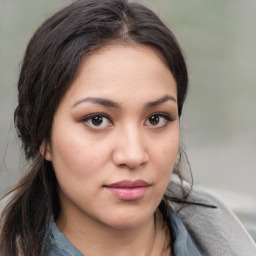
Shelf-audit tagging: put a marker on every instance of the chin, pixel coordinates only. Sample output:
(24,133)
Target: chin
(128,220)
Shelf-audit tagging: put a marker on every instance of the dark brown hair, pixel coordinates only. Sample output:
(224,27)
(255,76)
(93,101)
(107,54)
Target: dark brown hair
(50,64)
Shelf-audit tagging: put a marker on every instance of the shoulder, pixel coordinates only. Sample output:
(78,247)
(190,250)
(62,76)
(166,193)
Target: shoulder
(57,244)
(213,227)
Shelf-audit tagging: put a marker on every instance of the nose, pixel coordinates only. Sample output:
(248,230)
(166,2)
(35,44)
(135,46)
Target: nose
(130,149)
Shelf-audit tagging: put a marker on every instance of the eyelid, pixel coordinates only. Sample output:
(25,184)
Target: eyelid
(166,116)
(88,117)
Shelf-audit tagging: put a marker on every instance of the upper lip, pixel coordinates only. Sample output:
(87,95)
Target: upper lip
(128,184)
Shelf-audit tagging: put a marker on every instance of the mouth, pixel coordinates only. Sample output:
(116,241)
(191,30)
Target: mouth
(128,190)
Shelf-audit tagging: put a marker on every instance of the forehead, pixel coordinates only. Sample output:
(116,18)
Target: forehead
(124,55)
(118,71)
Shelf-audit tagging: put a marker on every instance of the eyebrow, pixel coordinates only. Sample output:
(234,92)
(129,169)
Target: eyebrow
(160,101)
(113,104)
(100,101)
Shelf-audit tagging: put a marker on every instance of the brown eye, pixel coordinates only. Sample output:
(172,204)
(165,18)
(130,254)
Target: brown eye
(97,120)
(154,120)
(158,120)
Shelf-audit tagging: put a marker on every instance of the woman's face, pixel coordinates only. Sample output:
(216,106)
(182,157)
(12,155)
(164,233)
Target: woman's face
(115,137)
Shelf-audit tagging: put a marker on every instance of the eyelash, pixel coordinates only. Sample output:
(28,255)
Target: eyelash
(168,118)
(91,116)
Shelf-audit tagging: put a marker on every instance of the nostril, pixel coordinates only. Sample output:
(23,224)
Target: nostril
(132,163)
(131,167)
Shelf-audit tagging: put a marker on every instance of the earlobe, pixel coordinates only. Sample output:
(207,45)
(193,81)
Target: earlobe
(45,150)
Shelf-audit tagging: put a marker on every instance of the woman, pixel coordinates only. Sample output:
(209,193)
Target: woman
(101,91)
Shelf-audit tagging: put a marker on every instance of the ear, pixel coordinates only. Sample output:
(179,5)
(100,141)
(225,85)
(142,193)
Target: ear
(45,151)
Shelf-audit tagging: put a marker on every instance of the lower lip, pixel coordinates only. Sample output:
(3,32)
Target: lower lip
(128,194)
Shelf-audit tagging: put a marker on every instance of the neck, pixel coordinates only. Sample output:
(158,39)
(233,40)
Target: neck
(92,238)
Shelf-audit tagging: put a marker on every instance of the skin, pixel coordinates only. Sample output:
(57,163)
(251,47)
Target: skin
(127,143)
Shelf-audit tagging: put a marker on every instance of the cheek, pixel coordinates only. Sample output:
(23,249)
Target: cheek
(76,165)
(76,156)
(165,154)
(166,149)
(170,150)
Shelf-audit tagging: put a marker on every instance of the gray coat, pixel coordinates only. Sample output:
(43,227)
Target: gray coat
(215,230)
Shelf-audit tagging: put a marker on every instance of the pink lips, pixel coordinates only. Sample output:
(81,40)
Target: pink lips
(128,190)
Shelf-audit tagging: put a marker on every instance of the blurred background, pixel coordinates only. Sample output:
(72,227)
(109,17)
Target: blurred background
(219,121)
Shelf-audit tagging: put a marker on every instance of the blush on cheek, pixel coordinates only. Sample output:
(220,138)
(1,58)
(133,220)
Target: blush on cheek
(80,165)
(170,152)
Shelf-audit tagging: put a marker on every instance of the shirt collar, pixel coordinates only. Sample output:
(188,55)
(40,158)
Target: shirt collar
(183,244)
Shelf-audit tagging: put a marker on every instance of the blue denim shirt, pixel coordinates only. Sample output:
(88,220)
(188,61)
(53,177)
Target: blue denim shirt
(58,245)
